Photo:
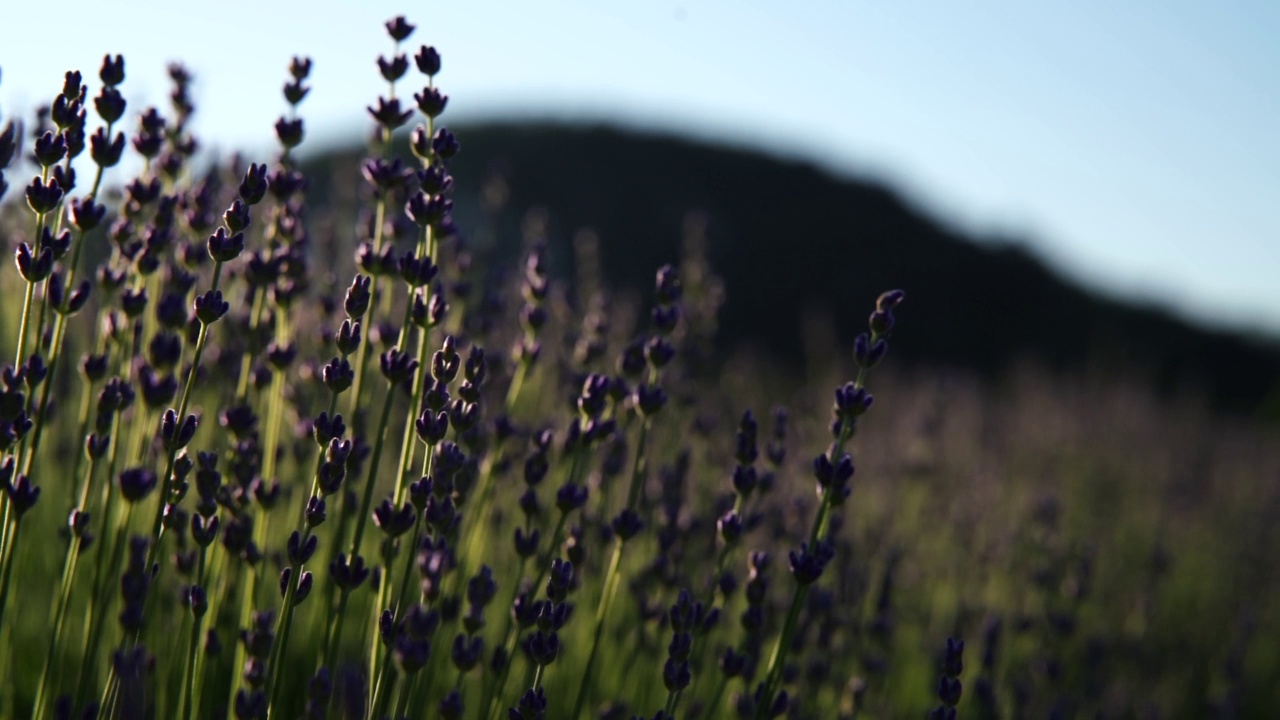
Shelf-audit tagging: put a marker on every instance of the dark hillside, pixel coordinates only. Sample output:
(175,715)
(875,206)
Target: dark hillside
(786,236)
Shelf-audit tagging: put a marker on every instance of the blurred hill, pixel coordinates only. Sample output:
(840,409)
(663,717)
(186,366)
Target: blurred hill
(790,239)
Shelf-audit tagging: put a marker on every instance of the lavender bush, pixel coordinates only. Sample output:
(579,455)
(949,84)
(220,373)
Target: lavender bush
(241,483)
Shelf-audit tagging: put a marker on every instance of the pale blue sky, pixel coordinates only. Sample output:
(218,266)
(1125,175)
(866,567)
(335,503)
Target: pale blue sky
(1137,143)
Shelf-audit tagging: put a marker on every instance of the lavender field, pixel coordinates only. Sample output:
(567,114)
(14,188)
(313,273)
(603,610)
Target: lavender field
(272,457)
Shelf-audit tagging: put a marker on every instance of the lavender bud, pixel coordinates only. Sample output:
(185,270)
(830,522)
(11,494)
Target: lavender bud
(137,483)
(348,574)
(300,67)
(627,524)
(295,92)
(210,307)
(659,351)
(881,322)
(570,497)
(197,601)
(730,528)
(348,339)
(254,186)
(807,564)
(445,144)
(432,428)
(50,148)
(357,301)
(224,248)
(676,675)
(428,61)
(388,113)
(204,530)
(452,707)
(393,69)
(237,217)
(889,300)
(526,545)
(396,366)
(299,550)
(337,375)
(417,272)
(174,434)
(325,428)
(393,522)
(43,198)
(112,72)
(86,214)
(289,132)
(431,101)
(304,587)
(78,523)
(399,29)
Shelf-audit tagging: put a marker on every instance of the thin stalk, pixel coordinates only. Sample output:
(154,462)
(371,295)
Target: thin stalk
(517,385)
(367,500)
(282,640)
(59,616)
(108,690)
(104,565)
(246,360)
(673,696)
(21,350)
(718,695)
(513,631)
(295,580)
(398,602)
(612,580)
(371,478)
(608,592)
(86,406)
(10,560)
(402,701)
(187,701)
(357,394)
(537,677)
(426,246)
(773,676)
(157,527)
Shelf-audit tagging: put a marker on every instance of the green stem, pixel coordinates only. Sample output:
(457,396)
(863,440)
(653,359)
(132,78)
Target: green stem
(246,360)
(366,501)
(371,478)
(717,696)
(10,559)
(188,701)
(281,645)
(104,565)
(384,588)
(673,696)
(59,618)
(282,640)
(611,582)
(537,677)
(773,676)
(157,526)
(362,360)
(513,631)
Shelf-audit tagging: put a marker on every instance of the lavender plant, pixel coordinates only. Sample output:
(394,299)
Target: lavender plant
(222,525)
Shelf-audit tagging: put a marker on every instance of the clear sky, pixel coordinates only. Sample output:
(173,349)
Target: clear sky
(1136,144)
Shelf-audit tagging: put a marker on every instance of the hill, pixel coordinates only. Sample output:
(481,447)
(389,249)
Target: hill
(788,238)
